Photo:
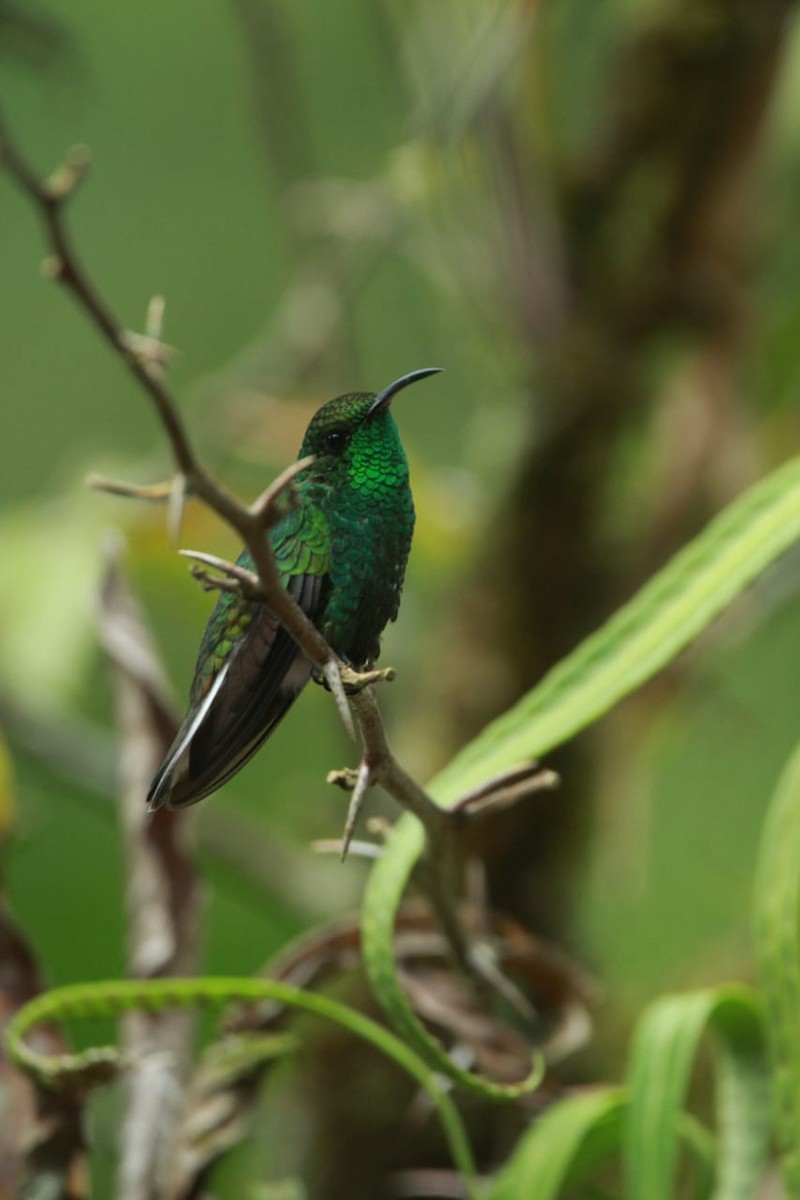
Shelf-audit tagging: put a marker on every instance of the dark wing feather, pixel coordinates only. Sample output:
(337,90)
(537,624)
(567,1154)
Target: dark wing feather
(251,693)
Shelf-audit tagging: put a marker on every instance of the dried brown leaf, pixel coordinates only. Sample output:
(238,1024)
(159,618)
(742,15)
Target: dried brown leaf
(162,892)
(225,1088)
(42,1149)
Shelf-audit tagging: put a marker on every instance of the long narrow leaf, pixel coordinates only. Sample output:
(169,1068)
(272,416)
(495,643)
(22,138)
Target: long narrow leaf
(113,997)
(642,637)
(777,904)
(562,1146)
(664,1050)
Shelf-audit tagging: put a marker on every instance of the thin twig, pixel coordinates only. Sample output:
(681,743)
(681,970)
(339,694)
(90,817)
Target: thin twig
(158,492)
(250,522)
(505,790)
(243,582)
(354,848)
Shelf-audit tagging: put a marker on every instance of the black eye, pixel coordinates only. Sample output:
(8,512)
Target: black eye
(336,441)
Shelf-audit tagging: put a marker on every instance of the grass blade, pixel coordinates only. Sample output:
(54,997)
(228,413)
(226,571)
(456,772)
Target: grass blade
(643,636)
(777,906)
(564,1144)
(664,1050)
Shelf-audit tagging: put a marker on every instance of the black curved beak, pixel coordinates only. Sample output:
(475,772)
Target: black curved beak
(384,398)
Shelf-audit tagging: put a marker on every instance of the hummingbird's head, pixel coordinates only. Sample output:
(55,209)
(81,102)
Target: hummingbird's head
(356,432)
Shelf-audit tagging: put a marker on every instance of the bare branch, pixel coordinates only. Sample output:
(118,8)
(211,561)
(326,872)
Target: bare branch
(145,357)
(162,891)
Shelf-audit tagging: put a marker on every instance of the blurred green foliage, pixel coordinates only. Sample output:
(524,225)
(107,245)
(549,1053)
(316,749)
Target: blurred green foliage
(186,198)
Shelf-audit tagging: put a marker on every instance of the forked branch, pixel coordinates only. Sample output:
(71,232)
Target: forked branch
(146,357)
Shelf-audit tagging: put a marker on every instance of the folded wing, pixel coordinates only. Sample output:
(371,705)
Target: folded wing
(250,693)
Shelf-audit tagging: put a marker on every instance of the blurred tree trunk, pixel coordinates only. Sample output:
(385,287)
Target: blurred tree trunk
(655,241)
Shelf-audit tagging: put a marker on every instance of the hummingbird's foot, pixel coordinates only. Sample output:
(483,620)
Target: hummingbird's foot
(346,778)
(355,681)
(318,675)
(504,790)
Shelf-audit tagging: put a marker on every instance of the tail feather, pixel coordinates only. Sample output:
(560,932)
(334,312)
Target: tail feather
(250,695)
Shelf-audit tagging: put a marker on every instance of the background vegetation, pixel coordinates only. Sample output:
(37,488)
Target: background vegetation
(587,213)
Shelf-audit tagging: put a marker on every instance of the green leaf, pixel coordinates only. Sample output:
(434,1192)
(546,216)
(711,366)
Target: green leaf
(562,1146)
(777,906)
(648,1120)
(664,1050)
(382,898)
(641,638)
(112,997)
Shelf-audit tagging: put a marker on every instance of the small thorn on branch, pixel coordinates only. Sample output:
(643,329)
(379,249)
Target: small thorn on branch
(154,322)
(153,354)
(68,177)
(363,782)
(52,268)
(356,848)
(331,673)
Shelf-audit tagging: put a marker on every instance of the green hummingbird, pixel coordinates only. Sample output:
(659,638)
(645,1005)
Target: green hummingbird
(341,553)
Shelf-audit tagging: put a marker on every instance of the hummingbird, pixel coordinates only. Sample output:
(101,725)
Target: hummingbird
(341,552)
